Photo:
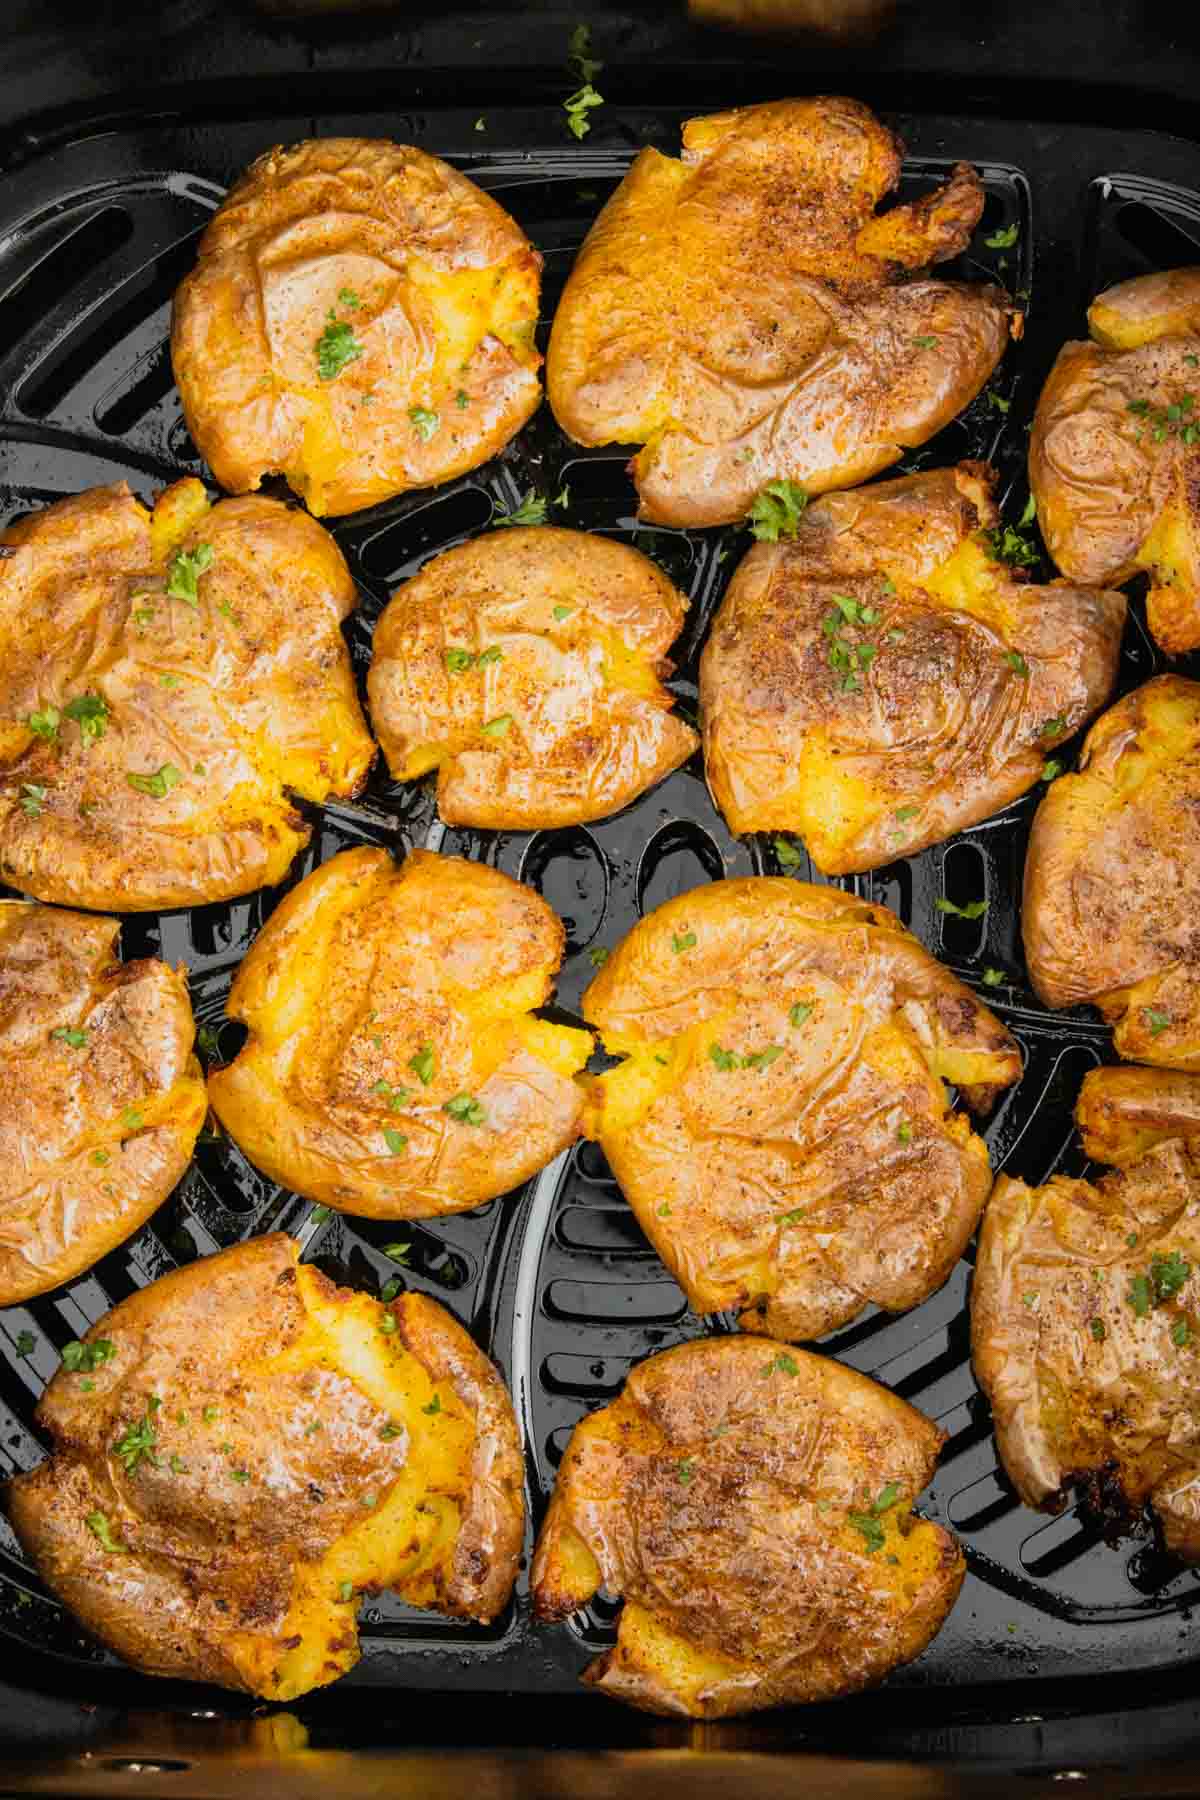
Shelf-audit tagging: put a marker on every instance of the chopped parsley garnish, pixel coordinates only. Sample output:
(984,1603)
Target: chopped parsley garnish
(904,813)
(497,727)
(787,853)
(458,660)
(1098,1330)
(871,1530)
(531,511)
(466,1109)
(563,496)
(793,1217)
(993,978)
(434,1407)
(1052,728)
(100,1158)
(209,1415)
(137,1445)
(131,1119)
(44,724)
(785,1364)
(724,1059)
(1132,1240)
(493,654)
(1181,1333)
(422,1064)
(997,400)
(562,612)
(397,1098)
(886,1497)
(68,1035)
(1157,1022)
(579,54)
(762,1059)
(904,1132)
(83,1358)
(1007,545)
(682,941)
(336,348)
(685,1470)
(184,571)
(664,1211)
(177,1465)
(388,1324)
(239,1475)
(1167,1275)
(389,1289)
(777,511)
(395,1140)
(349,299)
(974,909)
(925,343)
(1052,768)
(90,712)
(158,785)
(26,1343)
(346,1590)
(577,107)
(598,955)
(1169,421)
(397,1253)
(97,1523)
(1003,239)
(424,422)
(1016,662)
(32,796)
(462,399)
(800,1012)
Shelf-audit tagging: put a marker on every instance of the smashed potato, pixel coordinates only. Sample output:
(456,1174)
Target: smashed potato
(525,667)
(101,1099)
(165,679)
(779,1123)
(745,316)
(1085,1336)
(1114,457)
(883,680)
(360,321)
(1123,1113)
(754,1510)
(1112,877)
(395,1067)
(245,1449)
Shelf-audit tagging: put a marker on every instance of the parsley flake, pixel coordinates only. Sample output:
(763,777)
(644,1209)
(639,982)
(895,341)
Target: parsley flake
(685,1470)
(787,853)
(598,955)
(777,511)
(68,1035)
(993,978)
(137,1445)
(466,1109)
(1157,1022)
(578,105)
(397,1253)
(925,343)
(159,784)
(680,943)
(422,1064)
(80,1358)
(870,1529)
(32,796)
(974,909)
(434,1407)
(184,571)
(798,1014)
(1003,239)
(395,1140)
(44,724)
(349,299)
(1016,662)
(531,511)
(91,713)
(97,1523)
(497,727)
(26,1343)
(563,612)
(424,422)
(1098,1330)
(336,348)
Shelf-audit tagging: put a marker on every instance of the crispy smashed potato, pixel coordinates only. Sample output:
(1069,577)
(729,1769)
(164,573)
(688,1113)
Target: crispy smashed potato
(883,680)
(395,1067)
(823,18)
(246,1449)
(165,679)
(1112,877)
(525,667)
(1114,457)
(360,321)
(101,1099)
(779,1123)
(754,1510)
(745,315)
(1123,1113)
(1085,1335)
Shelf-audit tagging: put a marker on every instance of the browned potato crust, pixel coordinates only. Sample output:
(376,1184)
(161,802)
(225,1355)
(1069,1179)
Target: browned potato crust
(1123,1113)
(1084,1335)
(204,709)
(394,1066)
(524,666)
(754,1509)
(422,291)
(101,1099)
(1114,457)
(256,1452)
(882,681)
(744,314)
(779,1124)
(1112,876)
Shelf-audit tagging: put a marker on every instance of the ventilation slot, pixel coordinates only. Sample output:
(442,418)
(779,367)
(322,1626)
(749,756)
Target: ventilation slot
(62,269)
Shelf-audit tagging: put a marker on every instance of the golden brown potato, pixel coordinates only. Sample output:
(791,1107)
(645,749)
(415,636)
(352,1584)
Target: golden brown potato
(1085,1335)
(245,1449)
(165,679)
(1114,457)
(1123,1113)
(779,1123)
(754,1509)
(883,680)
(744,315)
(101,1099)
(1112,876)
(395,1067)
(524,666)
(360,321)
(823,18)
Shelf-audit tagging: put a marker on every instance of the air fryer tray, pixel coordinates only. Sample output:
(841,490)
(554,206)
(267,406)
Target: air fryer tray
(556,1282)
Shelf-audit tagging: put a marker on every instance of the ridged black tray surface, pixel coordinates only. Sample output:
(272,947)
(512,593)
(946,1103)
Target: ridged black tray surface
(557,1282)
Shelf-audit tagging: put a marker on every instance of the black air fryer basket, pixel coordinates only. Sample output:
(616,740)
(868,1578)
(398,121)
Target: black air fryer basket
(1068,1657)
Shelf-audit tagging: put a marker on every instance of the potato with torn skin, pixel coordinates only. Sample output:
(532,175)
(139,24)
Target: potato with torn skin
(745,315)
(1111,913)
(1085,1335)
(167,679)
(101,1099)
(883,680)
(754,1510)
(526,666)
(1123,1113)
(242,1450)
(779,1123)
(395,1066)
(1114,457)
(360,321)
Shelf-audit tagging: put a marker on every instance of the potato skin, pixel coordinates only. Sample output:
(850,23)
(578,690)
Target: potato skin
(1078,1381)
(75,1179)
(583,742)
(825,1172)
(443,290)
(210,1577)
(939,729)
(743,314)
(1112,876)
(1118,490)
(362,968)
(1123,1113)
(244,693)
(714,1496)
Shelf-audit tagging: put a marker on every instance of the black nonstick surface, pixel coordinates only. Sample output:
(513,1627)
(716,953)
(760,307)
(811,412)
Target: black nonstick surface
(557,1282)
